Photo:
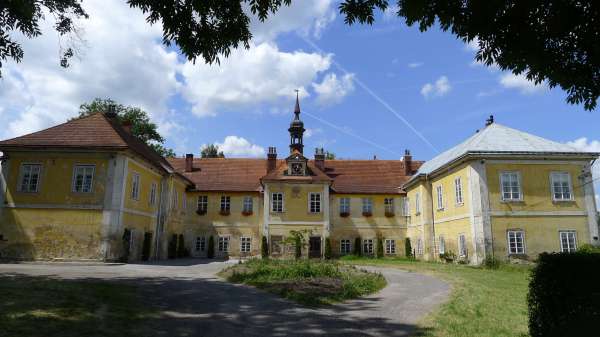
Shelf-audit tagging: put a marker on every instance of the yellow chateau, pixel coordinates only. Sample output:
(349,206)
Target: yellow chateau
(88,189)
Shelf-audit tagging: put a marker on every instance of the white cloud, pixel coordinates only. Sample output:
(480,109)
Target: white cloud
(440,88)
(234,146)
(262,74)
(521,83)
(333,90)
(583,144)
(414,65)
(311,132)
(122,58)
(473,45)
(391,13)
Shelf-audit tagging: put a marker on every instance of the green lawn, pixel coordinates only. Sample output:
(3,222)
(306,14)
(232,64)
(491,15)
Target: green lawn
(308,282)
(483,302)
(41,306)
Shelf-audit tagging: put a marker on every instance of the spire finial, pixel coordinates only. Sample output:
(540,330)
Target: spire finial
(297,108)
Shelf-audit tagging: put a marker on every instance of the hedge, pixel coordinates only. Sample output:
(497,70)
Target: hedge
(564,295)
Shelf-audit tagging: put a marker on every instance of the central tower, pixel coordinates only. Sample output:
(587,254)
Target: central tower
(296,130)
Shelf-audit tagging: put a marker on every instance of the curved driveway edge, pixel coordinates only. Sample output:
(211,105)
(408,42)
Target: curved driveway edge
(192,301)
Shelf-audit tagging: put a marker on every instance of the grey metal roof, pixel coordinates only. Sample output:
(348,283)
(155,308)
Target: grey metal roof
(497,139)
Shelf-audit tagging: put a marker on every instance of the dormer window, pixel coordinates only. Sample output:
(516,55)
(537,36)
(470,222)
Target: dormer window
(297,169)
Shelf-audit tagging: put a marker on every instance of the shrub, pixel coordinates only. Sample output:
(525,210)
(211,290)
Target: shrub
(297,247)
(180,246)
(491,263)
(357,250)
(264,248)
(379,251)
(588,248)
(172,247)
(407,248)
(327,254)
(211,248)
(564,297)
(448,256)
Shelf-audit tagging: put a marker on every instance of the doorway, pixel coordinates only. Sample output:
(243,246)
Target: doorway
(314,247)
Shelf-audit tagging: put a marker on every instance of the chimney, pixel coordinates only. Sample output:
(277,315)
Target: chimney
(189,162)
(126,125)
(407,163)
(271,159)
(320,158)
(112,111)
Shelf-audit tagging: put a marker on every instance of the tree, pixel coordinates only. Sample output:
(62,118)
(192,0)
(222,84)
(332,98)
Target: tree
(357,250)
(327,255)
(180,246)
(379,248)
(141,126)
(211,151)
(329,155)
(264,249)
(23,17)
(407,248)
(211,247)
(297,239)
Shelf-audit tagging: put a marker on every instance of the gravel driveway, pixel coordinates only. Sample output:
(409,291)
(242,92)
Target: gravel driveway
(195,302)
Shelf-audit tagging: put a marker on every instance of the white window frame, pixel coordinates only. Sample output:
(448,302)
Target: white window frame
(569,248)
(39,168)
(388,205)
(277,205)
(417,203)
(419,246)
(367,205)
(175,199)
(439,190)
(223,243)
(516,234)
(153,190)
(345,205)
(553,178)
(368,246)
(135,186)
(503,178)
(248,204)
(441,245)
(202,203)
(462,245)
(390,247)
(458,191)
(345,246)
(245,244)
(200,243)
(76,173)
(225,203)
(314,202)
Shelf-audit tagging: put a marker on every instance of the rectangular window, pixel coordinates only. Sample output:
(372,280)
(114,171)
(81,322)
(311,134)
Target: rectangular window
(29,180)
(152,198)
(315,202)
(390,246)
(440,197)
(202,204)
(368,246)
(462,245)
(175,199)
(458,191)
(183,201)
(245,244)
(135,186)
(388,204)
(83,178)
(367,205)
(344,205)
(277,202)
(247,204)
(568,241)
(516,242)
(225,203)
(420,247)
(511,186)
(418,203)
(224,244)
(200,244)
(345,247)
(561,186)
(442,245)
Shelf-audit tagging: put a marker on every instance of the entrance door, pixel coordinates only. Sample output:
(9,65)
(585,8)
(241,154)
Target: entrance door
(314,247)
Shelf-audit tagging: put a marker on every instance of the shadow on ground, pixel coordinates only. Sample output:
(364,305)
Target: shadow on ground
(205,306)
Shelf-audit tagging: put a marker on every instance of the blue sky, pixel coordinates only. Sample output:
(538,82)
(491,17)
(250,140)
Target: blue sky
(366,90)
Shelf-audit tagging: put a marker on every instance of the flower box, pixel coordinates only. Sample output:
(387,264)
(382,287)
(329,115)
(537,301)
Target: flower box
(390,214)
(200,211)
(367,214)
(247,213)
(224,212)
(344,214)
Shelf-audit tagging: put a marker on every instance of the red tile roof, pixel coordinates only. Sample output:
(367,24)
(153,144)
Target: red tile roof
(348,176)
(96,131)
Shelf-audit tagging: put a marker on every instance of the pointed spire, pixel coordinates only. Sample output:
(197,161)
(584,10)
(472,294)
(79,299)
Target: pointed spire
(297,108)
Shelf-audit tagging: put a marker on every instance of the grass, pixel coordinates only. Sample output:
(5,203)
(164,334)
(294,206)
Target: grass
(306,281)
(484,302)
(41,306)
